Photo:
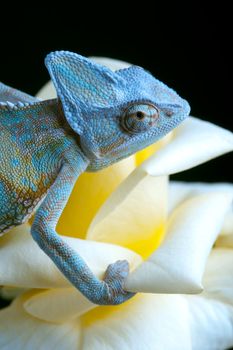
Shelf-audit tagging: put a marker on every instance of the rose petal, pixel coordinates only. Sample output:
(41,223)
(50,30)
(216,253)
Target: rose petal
(134,215)
(58,305)
(211,321)
(146,322)
(162,321)
(218,277)
(179,191)
(24,264)
(197,141)
(47,91)
(158,319)
(177,265)
(211,324)
(225,241)
(145,153)
(10,293)
(20,331)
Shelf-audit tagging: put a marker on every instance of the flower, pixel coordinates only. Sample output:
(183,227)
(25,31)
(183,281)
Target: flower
(177,237)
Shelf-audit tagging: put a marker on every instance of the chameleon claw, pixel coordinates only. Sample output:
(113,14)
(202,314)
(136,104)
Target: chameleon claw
(119,269)
(113,281)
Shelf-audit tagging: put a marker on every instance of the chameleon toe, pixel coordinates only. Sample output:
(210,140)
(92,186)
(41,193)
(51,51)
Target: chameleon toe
(114,278)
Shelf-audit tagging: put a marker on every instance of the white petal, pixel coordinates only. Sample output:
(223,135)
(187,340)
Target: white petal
(227,229)
(10,293)
(225,241)
(178,264)
(179,191)
(24,264)
(218,277)
(20,331)
(211,314)
(147,322)
(195,141)
(211,324)
(134,215)
(58,305)
(47,91)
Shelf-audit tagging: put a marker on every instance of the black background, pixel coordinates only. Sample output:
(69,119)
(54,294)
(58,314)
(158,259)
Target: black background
(185,46)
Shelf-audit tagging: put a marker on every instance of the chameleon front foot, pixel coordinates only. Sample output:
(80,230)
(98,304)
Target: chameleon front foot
(113,292)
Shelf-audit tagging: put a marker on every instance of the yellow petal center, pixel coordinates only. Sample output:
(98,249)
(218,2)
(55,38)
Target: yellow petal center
(90,192)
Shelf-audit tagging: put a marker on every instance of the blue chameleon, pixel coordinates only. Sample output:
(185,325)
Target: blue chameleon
(98,118)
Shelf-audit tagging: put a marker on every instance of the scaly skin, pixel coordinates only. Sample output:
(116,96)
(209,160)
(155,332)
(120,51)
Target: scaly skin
(29,168)
(99,118)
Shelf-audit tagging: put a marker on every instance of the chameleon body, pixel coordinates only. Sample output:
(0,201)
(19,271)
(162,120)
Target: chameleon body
(98,118)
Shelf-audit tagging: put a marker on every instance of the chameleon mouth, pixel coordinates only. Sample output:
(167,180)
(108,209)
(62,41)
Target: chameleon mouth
(115,145)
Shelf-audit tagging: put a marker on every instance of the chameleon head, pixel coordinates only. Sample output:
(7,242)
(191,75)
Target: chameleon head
(114,113)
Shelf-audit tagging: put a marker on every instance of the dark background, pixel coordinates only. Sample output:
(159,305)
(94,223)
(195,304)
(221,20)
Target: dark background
(188,48)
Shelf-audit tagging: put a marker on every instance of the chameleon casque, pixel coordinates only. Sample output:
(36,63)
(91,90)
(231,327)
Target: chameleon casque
(98,118)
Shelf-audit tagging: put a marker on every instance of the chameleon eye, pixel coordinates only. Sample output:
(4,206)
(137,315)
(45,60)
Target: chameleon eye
(139,117)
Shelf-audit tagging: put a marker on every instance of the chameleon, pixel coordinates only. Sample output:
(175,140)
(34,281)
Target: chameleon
(98,118)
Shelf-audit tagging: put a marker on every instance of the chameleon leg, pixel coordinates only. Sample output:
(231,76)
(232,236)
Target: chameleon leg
(110,290)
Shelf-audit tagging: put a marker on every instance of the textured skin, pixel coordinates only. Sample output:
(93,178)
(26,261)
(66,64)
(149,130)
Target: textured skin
(99,118)
(29,168)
